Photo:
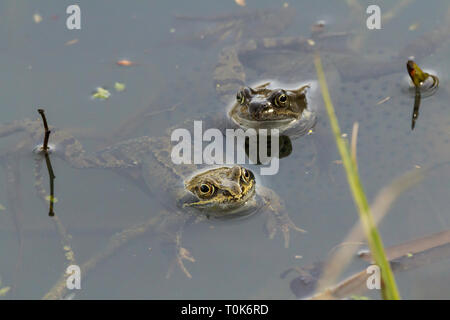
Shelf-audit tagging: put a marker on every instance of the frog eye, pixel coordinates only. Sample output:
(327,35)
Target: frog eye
(206,190)
(245,175)
(240,97)
(281,100)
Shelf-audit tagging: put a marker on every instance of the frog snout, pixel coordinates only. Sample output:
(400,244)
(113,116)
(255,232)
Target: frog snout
(255,109)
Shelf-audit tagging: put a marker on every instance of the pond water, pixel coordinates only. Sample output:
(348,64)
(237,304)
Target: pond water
(46,65)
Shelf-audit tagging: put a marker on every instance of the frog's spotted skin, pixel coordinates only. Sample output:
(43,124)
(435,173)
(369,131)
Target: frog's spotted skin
(357,86)
(191,192)
(262,107)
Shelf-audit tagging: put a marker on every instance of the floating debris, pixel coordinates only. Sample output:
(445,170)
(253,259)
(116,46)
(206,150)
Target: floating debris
(172,30)
(37,18)
(125,63)
(311,42)
(4,291)
(285,5)
(355,297)
(383,100)
(2,208)
(70,296)
(318,26)
(421,79)
(413,27)
(52,199)
(240,3)
(101,93)
(71,42)
(119,86)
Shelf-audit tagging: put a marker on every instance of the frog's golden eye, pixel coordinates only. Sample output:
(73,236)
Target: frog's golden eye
(240,97)
(281,100)
(245,175)
(206,190)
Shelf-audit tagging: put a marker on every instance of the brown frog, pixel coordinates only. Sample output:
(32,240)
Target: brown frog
(264,108)
(192,193)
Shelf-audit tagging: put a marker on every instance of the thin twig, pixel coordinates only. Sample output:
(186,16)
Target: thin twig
(415,115)
(51,174)
(47,131)
(52,177)
(413,254)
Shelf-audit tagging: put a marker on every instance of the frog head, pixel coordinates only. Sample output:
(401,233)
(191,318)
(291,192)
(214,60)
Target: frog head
(220,190)
(261,107)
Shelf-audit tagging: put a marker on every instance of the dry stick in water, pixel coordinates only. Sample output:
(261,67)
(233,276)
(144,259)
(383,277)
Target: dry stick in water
(52,177)
(48,162)
(415,115)
(65,237)
(406,256)
(385,198)
(47,131)
(51,174)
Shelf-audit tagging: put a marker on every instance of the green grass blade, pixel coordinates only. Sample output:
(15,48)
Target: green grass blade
(389,288)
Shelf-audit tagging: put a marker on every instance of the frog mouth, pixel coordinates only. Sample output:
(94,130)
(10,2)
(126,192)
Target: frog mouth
(263,122)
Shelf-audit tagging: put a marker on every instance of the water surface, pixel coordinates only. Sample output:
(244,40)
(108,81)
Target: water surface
(233,260)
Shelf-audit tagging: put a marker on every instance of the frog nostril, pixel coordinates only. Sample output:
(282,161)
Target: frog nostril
(256,107)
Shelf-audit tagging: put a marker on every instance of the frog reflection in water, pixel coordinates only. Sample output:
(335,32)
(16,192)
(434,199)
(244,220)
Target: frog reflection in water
(191,193)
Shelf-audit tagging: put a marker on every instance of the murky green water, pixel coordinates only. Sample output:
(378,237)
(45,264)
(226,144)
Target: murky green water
(233,259)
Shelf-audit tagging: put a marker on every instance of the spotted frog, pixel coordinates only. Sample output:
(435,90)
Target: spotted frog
(192,193)
(264,108)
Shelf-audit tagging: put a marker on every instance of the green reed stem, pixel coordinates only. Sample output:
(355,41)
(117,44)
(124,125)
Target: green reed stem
(389,287)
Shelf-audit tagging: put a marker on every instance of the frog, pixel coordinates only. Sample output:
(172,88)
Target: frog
(262,107)
(193,192)
(353,78)
(289,58)
(292,60)
(228,28)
